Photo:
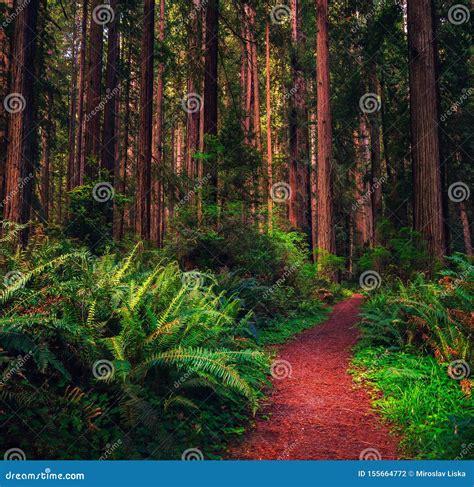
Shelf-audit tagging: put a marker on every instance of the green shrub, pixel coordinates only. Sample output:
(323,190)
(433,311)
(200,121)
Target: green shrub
(417,396)
(120,348)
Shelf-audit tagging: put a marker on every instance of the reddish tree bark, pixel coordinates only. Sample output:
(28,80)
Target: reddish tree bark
(427,204)
(46,137)
(269,127)
(72,107)
(146,122)
(363,217)
(21,129)
(109,137)
(313,124)
(211,85)
(299,168)
(78,169)
(92,142)
(157,152)
(466,228)
(375,147)
(326,236)
(192,122)
(4,69)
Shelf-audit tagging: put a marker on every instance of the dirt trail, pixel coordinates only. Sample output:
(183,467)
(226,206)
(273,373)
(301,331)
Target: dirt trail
(317,413)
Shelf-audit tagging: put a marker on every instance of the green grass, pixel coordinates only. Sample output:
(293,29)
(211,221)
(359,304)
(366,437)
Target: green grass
(281,330)
(416,395)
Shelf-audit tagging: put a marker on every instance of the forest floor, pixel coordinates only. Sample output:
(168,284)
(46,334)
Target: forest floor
(317,413)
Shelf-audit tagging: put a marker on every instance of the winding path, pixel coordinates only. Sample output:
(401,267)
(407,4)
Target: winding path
(317,413)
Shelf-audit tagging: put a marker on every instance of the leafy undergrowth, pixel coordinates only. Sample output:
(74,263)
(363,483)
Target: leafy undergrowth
(417,352)
(125,356)
(425,405)
(279,331)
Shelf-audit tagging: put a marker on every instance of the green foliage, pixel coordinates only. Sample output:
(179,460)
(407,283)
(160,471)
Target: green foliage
(402,253)
(417,395)
(112,341)
(436,317)
(90,214)
(270,273)
(279,331)
(413,333)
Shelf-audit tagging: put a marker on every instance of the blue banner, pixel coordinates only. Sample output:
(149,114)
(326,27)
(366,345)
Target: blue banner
(238,473)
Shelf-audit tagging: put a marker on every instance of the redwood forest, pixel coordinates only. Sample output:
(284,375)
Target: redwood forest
(236,230)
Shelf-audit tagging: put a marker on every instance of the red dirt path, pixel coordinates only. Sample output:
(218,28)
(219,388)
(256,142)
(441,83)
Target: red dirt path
(317,413)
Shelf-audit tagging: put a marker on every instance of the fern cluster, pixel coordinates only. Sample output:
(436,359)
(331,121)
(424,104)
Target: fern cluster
(432,316)
(117,350)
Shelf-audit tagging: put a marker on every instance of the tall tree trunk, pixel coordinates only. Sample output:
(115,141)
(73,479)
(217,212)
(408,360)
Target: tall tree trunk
(78,170)
(157,154)
(122,179)
(363,217)
(4,70)
(211,86)
(313,124)
(192,123)
(21,128)
(254,71)
(427,205)
(146,122)
(375,148)
(72,108)
(46,137)
(269,128)
(326,235)
(466,228)
(92,143)
(109,137)
(299,169)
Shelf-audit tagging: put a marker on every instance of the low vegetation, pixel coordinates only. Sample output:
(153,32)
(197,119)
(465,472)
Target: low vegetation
(417,355)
